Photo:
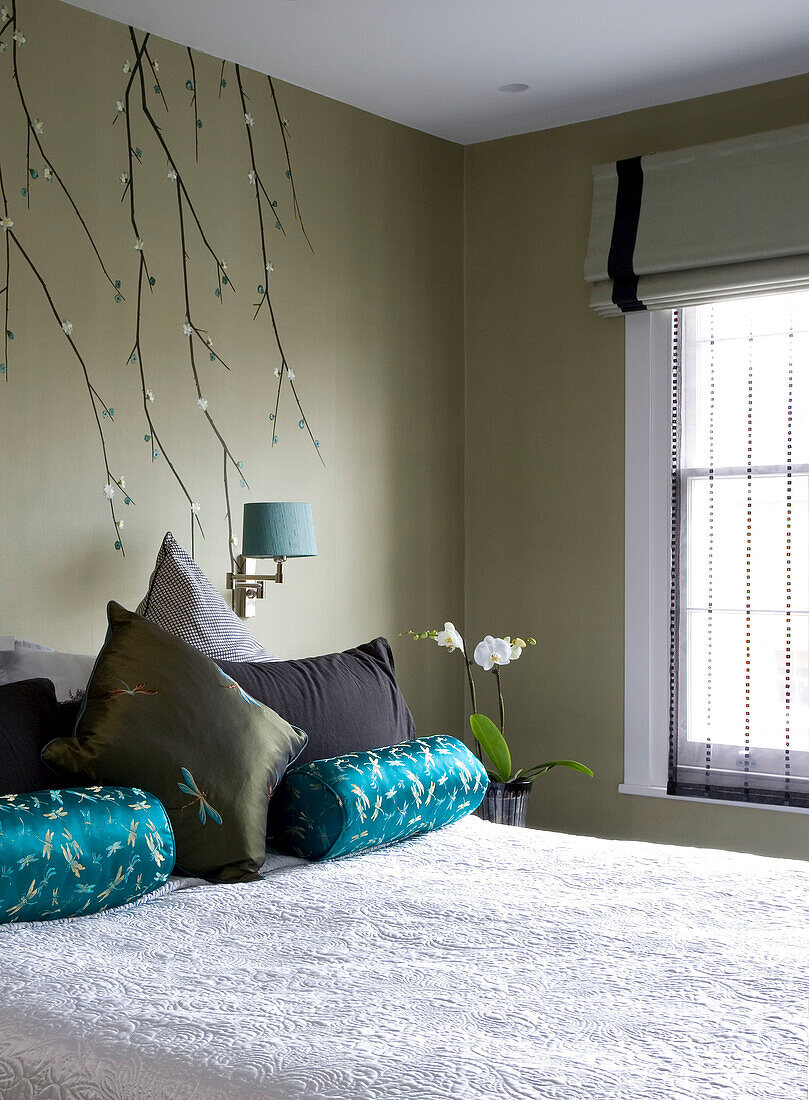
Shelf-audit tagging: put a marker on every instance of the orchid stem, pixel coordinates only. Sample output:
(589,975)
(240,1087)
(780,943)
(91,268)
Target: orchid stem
(496,671)
(472,696)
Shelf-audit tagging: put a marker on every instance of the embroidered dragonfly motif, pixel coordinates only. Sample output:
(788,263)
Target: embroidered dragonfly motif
(155,847)
(71,841)
(32,893)
(272,784)
(231,685)
(206,810)
(113,884)
(72,861)
(138,689)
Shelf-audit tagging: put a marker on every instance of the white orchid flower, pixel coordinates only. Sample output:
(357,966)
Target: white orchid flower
(150,396)
(290,374)
(203,403)
(127,67)
(6,223)
(248,118)
(251,177)
(4,15)
(492,651)
(67,328)
(449,638)
(138,246)
(234,540)
(120,106)
(269,267)
(19,38)
(517,646)
(171,175)
(38,126)
(124,177)
(48,174)
(109,491)
(195,507)
(119,523)
(187,329)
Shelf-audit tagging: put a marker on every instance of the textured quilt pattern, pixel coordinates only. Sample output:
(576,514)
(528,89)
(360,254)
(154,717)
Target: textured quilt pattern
(473,963)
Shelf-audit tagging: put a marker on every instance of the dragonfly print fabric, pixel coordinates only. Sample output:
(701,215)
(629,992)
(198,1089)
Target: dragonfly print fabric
(163,716)
(347,804)
(80,850)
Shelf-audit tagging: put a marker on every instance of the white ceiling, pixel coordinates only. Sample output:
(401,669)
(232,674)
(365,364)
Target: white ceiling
(437,64)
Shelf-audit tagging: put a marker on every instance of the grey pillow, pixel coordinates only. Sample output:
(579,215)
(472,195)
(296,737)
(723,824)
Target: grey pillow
(183,601)
(68,672)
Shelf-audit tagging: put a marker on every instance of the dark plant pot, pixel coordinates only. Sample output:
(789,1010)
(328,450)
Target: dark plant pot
(506,803)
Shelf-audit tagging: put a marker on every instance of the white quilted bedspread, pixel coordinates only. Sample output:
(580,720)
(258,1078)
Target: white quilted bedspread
(474,963)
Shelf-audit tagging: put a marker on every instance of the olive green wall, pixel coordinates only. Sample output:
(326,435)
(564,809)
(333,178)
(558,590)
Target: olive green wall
(372,323)
(545,454)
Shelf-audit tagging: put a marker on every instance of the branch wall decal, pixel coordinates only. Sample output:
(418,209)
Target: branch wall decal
(132,111)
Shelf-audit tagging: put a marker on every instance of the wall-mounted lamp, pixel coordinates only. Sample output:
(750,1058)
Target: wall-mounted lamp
(272,529)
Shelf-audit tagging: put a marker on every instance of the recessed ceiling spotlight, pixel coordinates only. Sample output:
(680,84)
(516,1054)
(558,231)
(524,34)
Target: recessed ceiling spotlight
(514,87)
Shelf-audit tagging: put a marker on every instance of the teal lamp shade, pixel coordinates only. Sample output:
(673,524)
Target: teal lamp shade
(276,529)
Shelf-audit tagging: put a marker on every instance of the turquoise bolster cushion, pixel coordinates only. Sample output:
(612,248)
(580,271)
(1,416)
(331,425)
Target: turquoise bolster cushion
(347,804)
(80,850)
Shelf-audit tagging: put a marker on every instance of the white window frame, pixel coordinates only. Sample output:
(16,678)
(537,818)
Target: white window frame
(647,562)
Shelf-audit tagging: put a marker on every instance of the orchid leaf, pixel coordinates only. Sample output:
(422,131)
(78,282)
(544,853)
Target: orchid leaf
(493,744)
(540,769)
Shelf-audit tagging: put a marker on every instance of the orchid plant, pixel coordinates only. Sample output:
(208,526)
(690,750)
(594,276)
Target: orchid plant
(491,654)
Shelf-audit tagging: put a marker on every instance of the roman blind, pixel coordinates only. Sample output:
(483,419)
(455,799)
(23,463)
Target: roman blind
(715,221)
(739,654)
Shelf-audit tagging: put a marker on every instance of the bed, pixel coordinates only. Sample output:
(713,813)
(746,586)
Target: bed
(478,961)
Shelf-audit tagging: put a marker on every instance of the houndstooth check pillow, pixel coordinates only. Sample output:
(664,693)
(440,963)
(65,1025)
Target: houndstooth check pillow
(183,601)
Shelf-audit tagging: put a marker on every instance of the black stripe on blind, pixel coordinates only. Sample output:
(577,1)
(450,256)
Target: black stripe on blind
(620,263)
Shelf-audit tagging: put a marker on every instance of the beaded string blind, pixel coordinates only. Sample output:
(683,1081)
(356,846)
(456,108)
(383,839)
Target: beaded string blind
(740,551)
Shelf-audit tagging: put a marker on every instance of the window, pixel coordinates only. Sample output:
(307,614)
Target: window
(718,618)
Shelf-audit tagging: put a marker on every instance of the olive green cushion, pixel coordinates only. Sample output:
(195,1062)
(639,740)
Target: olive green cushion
(162,716)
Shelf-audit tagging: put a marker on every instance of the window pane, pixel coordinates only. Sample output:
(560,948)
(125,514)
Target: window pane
(716,678)
(740,658)
(746,367)
(716,557)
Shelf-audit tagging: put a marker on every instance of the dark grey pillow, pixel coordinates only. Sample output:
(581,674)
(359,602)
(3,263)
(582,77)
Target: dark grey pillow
(29,717)
(346,702)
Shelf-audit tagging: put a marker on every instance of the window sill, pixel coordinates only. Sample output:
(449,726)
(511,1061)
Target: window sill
(660,792)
